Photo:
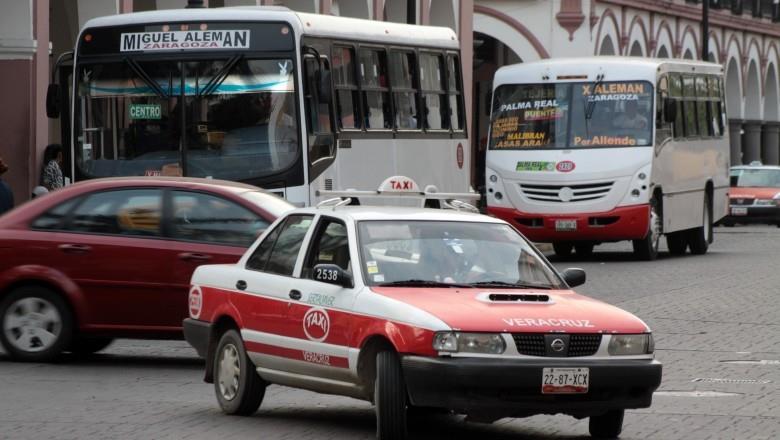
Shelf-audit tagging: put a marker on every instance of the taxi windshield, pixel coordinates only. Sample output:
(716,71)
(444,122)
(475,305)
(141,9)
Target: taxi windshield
(442,254)
(756,178)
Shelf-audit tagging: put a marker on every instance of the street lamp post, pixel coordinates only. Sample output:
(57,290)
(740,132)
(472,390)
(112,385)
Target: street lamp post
(705,30)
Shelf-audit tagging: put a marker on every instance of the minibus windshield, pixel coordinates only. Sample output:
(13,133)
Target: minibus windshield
(572,115)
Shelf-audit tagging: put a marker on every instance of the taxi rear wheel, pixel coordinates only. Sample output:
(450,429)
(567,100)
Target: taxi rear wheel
(238,387)
(390,397)
(36,324)
(608,425)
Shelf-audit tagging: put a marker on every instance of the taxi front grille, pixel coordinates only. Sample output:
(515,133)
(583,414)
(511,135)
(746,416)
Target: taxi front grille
(579,344)
(742,201)
(574,193)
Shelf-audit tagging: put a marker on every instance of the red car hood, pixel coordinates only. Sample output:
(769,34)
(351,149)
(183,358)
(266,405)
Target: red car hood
(470,310)
(752,193)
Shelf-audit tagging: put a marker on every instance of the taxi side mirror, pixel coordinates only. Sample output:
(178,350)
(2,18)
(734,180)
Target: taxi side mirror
(332,274)
(574,277)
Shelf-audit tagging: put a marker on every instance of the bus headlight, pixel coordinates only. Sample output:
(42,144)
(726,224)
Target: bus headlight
(627,345)
(493,178)
(457,342)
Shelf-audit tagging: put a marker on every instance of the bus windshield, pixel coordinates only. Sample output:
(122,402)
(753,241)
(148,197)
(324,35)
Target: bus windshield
(572,115)
(231,118)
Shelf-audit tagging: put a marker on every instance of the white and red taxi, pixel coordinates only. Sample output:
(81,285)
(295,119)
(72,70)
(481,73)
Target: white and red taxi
(414,308)
(754,196)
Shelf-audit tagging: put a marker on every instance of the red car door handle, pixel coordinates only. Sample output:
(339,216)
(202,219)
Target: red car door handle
(74,248)
(191,256)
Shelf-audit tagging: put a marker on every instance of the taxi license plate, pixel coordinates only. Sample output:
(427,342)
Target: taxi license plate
(565,225)
(565,380)
(738,211)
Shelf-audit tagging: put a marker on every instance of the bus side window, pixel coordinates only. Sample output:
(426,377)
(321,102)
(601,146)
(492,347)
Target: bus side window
(377,110)
(663,129)
(435,114)
(455,92)
(675,90)
(689,106)
(403,79)
(716,106)
(702,107)
(345,84)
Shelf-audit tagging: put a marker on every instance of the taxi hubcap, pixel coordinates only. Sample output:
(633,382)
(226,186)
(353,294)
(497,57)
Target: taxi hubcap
(32,324)
(229,372)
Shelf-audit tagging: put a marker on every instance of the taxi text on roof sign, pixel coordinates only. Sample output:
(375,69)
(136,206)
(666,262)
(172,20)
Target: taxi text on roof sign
(183,40)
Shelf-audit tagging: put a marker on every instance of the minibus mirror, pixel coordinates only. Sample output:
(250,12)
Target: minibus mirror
(574,277)
(53,101)
(323,86)
(332,274)
(670,110)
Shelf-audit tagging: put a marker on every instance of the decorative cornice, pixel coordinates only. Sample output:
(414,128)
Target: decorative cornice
(17,48)
(718,17)
(570,16)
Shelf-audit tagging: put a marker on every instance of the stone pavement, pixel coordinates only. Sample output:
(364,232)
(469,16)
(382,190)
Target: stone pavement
(716,321)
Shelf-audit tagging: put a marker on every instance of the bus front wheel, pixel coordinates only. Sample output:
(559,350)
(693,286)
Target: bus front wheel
(647,248)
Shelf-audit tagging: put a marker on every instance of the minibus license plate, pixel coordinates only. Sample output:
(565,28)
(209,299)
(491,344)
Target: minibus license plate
(565,380)
(738,211)
(565,225)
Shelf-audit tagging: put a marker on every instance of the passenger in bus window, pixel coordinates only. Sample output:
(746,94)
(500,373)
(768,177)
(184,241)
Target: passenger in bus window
(630,118)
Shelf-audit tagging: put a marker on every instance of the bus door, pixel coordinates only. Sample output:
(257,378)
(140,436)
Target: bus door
(317,91)
(58,104)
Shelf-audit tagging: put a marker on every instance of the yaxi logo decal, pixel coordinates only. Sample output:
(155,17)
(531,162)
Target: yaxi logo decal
(316,324)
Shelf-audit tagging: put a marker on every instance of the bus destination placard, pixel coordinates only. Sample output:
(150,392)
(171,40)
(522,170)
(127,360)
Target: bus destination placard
(184,40)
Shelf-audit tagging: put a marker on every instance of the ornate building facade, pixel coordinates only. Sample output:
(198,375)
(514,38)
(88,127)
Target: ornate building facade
(743,36)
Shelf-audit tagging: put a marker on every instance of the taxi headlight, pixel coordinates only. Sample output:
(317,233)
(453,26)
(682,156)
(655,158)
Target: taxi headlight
(627,345)
(483,343)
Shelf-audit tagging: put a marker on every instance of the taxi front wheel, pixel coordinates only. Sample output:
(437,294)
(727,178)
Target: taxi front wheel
(608,425)
(390,397)
(238,387)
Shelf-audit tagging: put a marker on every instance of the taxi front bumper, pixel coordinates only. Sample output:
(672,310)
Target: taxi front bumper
(497,388)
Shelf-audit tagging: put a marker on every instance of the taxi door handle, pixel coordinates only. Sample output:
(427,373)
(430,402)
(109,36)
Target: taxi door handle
(241,285)
(295,294)
(74,248)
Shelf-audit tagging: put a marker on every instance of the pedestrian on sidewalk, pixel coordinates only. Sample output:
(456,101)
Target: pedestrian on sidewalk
(51,173)
(6,196)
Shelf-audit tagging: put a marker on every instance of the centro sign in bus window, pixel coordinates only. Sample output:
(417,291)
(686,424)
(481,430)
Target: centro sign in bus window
(145,111)
(572,115)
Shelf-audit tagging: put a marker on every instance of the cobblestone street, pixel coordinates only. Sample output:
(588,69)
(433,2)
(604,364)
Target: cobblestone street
(717,332)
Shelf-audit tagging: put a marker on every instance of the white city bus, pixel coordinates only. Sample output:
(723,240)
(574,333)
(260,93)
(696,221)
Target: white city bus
(601,149)
(299,104)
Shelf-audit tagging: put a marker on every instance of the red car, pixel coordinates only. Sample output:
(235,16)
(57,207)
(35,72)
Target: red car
(112,258)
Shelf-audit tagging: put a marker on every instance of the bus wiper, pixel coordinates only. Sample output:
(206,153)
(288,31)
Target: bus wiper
(511,285)
(422,283)
(138,70)
(591,106)
(220,77)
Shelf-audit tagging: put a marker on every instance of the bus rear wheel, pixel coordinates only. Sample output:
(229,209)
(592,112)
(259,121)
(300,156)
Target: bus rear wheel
(699,239)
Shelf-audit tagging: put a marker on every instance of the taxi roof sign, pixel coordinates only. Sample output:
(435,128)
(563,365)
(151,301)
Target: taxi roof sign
(405,187)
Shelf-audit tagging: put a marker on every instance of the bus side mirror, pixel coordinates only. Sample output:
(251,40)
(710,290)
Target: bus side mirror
(53,101)
(670,110)
(323,86)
